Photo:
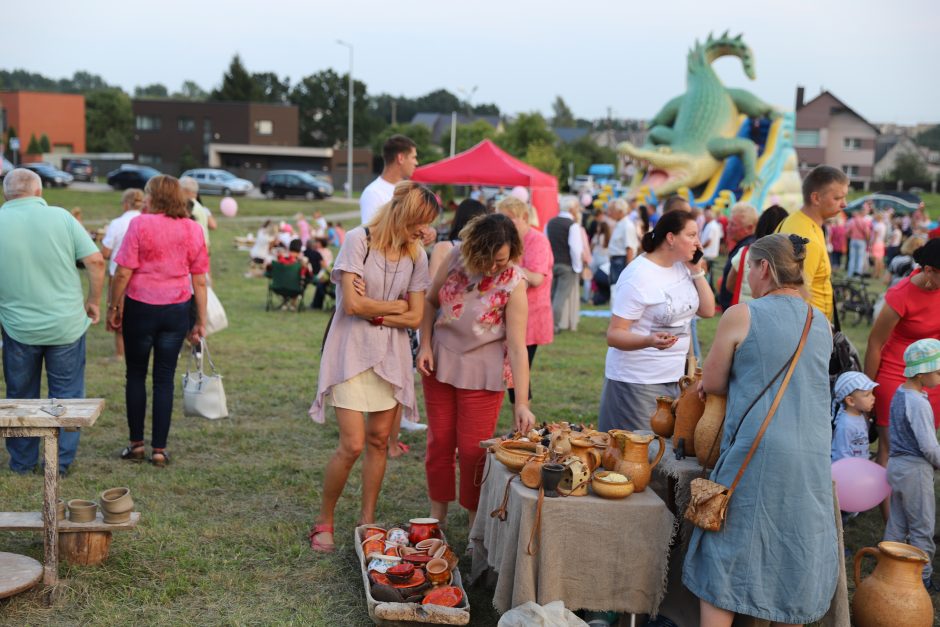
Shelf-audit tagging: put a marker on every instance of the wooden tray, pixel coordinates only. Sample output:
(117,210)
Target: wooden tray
(405,614)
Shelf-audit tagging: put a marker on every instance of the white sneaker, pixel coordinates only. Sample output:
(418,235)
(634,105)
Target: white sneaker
(408,425)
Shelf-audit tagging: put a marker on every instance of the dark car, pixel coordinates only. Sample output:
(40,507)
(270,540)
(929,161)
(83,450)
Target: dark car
(129,175)
(81,169)
(51,176)
(283,183)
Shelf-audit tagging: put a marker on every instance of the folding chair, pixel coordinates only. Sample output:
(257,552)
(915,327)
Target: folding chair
(285,281)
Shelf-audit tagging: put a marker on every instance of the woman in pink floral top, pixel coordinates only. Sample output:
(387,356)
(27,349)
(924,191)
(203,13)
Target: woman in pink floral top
(472,343)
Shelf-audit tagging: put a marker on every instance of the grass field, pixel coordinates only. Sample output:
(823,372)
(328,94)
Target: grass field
(222,538)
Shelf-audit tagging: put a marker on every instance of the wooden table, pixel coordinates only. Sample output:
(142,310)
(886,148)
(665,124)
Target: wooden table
(26,418)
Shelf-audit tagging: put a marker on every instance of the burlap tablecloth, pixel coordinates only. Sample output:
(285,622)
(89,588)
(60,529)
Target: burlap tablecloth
(595,554)
(671,479)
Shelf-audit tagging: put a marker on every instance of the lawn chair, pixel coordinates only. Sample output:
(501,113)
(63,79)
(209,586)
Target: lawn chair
(287,282)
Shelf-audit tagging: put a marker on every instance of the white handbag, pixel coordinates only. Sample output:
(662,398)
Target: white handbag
(203,394)
(215,312)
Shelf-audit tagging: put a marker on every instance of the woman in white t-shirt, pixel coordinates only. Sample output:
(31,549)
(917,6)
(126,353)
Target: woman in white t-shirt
(654,302)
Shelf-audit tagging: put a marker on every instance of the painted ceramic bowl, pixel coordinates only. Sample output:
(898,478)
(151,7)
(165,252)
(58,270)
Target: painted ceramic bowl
(446,596)
(400,573)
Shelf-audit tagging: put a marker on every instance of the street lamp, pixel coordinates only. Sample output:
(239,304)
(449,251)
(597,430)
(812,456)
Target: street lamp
(349,139)
(469,95)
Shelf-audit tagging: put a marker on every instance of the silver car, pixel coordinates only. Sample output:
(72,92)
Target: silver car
(212,181)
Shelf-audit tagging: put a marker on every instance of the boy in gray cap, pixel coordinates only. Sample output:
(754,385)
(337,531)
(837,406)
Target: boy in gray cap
(855,399)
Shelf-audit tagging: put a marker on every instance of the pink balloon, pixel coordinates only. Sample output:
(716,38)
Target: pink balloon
(520,192)
(861,484)
(229,207)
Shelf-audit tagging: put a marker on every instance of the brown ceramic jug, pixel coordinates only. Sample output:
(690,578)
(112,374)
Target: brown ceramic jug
(894,593)
(689,409)
(663,421)
(635,460)
(709,429)
(610,457)
(584,449)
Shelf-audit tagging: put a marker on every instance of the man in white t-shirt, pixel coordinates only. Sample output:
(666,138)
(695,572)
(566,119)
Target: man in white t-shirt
(624,243)
(711,241)
(132,200)
(400,155)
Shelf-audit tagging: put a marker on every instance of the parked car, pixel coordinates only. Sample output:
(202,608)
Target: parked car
(283,183)
(81,169)
(131,175)
(51,176)
(213,181)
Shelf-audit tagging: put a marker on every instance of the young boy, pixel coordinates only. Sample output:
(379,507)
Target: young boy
(915,453)
(853,393)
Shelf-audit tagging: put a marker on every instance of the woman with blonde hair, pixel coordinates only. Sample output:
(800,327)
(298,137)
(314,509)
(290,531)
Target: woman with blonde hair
(381,274)
(536,265)
(776,556)
(132,201)
(472,343)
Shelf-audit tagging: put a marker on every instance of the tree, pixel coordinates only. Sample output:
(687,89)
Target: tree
(190,90)
(154,90)
(469,135)
(33,148)
(930,138)
(563,117)
(237,84)
(270,88)
(324,110)
(44,145)
(486,109)
(525,130)
(543,157)
(909,166)
(109,121)
(439,101)
(583,152)
(418,133)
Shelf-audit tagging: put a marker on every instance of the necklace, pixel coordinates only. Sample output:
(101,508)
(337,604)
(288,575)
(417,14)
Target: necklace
(387,292)
(779,291)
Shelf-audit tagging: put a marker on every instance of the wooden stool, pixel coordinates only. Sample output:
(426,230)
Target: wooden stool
(85,544)
(18,573)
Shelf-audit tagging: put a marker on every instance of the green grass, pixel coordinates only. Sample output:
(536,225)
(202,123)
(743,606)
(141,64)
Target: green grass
(222,538)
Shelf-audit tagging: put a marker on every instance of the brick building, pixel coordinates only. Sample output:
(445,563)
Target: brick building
(60,116)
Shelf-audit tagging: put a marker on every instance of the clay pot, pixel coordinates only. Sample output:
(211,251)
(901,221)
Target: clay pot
(423,529)
(894,593)
(551,477)
(81,511)
(60,509)
(709,430)
(531,473)
(634,451)
(663,422)
(438,571)
(611,455)
(373,544)
(116,505)
(368,532)
(689,408)
(584,449)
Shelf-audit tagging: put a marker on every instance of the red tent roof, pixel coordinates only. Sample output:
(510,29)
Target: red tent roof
(487,164)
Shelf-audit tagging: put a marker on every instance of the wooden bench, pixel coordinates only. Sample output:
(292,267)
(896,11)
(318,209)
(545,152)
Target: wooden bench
(79,543)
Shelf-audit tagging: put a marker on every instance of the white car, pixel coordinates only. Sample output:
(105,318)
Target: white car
(212,181)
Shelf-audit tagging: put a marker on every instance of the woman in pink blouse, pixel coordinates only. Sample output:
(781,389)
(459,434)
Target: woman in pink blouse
(474,322)
(366,366)
(536,266)
(161,271)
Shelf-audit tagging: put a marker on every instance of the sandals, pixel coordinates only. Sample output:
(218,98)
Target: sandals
(159,457)
(315,543)
(134,452)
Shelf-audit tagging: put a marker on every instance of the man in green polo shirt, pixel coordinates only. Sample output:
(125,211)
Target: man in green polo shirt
(42,309)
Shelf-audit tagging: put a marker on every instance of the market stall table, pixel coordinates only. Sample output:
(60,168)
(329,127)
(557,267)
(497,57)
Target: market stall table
(594,554)
(43,418)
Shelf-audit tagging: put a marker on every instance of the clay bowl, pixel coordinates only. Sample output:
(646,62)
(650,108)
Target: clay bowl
(438,571)
(115,519)
(60,509)
(116,500)
(446,596)
(368,532)
(81,511)
(429,546)
(417,559)
(610,489)
(515,453)
(373,544)
(400,573)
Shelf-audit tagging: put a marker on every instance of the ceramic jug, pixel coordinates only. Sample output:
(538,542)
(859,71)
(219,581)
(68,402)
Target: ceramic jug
(689,410)
(709,429)
(894,593)
(584,449)
(663,422)
(610,456)
(634,453)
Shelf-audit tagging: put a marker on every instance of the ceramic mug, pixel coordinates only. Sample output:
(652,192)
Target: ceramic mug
(397,535)
(438,571)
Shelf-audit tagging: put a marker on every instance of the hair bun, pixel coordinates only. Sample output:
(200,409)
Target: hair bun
(799,246)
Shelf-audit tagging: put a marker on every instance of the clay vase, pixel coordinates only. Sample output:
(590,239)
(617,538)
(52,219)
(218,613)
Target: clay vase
(689,408)
(709,429)
(585,450)
(551,477)
(635,460)
(894,593)
(663,422)
(611,455)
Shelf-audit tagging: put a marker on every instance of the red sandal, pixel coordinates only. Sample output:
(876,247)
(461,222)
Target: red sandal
(315,544)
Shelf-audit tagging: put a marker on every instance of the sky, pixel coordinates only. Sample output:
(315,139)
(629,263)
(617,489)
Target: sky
(625,56)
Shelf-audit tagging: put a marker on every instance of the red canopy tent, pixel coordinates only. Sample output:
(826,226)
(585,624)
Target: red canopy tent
(487,164)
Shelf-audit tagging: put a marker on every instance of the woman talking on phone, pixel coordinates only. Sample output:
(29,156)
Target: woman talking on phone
(653,304)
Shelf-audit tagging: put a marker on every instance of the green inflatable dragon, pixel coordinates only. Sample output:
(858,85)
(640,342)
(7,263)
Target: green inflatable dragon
(694,132)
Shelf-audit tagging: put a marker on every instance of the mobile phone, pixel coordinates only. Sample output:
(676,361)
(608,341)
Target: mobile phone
(698,255)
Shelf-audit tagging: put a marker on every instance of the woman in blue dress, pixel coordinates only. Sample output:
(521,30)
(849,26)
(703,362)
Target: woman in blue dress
(776,557)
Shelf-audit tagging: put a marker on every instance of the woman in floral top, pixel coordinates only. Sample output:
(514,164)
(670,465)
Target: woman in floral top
(472,343)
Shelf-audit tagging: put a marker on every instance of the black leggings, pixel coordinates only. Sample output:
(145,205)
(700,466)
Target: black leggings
(512,393)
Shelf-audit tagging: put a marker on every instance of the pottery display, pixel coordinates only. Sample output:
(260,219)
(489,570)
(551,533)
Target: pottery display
(551,476)
(894,593)
(575,478)
(611,485)
(663,421)
(515,453)
(586,450)
(116,505)
(689,408)
(709,430)
(634,453)
(422,529)
(81,511)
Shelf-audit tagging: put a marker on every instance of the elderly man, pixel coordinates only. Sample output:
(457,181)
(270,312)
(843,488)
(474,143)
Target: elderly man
(200,214)
(624,242)
(42,309)
(564,235)
(741,227)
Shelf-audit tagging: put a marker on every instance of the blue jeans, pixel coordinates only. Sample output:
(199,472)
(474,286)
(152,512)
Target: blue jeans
(65,374)
(160,329)
(857,248)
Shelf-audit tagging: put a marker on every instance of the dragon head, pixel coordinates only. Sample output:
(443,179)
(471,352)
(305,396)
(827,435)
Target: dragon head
(702,55)
(667,171)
